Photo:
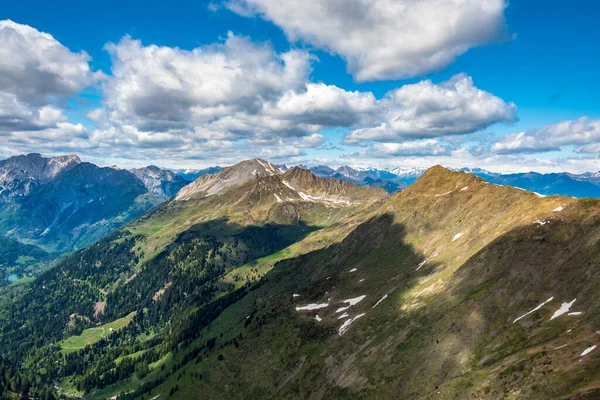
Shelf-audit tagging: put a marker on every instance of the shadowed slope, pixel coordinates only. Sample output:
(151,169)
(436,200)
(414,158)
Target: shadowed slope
(441,300)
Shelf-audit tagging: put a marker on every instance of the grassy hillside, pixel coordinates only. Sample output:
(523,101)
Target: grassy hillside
(446,328)
(297,287)
(176,268)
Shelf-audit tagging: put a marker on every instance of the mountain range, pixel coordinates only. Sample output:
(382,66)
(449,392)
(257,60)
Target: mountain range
(394,179)
(259,281)
(61,204)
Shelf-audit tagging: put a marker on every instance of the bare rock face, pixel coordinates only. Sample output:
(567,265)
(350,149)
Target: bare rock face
(235,175)
(160,181)
(62,204)
(21,174)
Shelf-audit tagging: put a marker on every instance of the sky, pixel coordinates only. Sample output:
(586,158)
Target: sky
(505,86)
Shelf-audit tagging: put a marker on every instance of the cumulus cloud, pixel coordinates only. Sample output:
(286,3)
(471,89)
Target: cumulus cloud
(159,88)
(583,131)
(35,67)
(428,110)
(430,147)
(235,90)
(232,90)
(385,39)
(37,74)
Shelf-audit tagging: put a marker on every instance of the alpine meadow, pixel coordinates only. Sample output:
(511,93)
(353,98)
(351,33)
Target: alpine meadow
(260,199)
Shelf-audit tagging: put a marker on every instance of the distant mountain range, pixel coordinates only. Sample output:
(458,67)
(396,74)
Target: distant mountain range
(394,179)
(265,282)
(563,184)
(62,204)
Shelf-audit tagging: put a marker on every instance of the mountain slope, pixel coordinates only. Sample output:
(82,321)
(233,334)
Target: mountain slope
(180,263)
(159,181)
(62,204)
(294,286)
(238,174)
(15,257)
(443,328)
(191,175)
(20,175)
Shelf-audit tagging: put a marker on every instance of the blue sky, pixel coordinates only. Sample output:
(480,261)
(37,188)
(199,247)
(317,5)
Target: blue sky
(540,56)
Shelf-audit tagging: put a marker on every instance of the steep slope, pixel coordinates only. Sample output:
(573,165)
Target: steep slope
(191,175)
(20,175)
(294,286)
(175,267)
(159,181)
(454,289)
(16,257)
(228,177)
(73,207)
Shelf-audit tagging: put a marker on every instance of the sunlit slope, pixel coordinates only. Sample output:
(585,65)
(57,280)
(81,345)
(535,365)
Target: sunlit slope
(177,266)
(248,200)
(435,296)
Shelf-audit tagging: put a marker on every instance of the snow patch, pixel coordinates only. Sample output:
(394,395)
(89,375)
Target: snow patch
(362,280)
(457,236)
(539,194)
(312,306)
(318,318)
(350,302)
(346,325)
(540,223)
(421,264)
(535,309)
(463,189)
(575,313)
(444,194)
(380,300)
(588,351)
(352,270)
(278,199)
(344,315)
(313,199)
(355,300)
(564,308)
(267,168)
(295,295)
(558,209)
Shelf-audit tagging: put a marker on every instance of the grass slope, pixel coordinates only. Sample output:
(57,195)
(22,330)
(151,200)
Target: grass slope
(92,335)
(445,330)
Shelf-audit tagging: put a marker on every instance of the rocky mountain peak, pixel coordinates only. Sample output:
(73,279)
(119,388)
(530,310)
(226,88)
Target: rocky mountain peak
(159,181)
(19,175)
(235,175)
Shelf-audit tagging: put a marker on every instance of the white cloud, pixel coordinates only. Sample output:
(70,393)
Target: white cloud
(283,152)
(232,91)
(430,147)
(590,149)
(428,110)
(583,131)
(37,73)
(160,88)
(385,39)
(35,67)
